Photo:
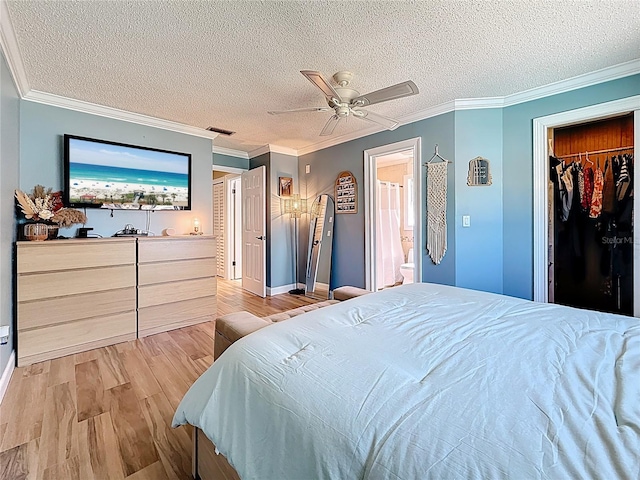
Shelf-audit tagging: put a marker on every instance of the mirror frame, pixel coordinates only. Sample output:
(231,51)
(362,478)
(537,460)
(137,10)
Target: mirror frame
(320,250)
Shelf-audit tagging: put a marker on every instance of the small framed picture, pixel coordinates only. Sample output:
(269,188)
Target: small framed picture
(285,188)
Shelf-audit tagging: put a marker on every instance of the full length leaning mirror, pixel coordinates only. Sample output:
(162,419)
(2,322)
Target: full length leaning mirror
(318,276)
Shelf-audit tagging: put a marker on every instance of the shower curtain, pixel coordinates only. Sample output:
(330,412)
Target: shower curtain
(389,254)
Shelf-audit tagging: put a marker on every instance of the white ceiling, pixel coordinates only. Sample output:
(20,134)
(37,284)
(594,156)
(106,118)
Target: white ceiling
(226,63)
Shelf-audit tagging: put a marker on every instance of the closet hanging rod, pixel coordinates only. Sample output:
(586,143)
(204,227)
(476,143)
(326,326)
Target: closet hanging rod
(596,152)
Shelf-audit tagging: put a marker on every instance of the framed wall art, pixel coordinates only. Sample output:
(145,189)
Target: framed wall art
(346,193)
(285,186)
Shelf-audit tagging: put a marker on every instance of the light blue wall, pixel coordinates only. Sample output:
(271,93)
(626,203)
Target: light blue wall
(479,247)
(518,172)
(282,226)
(9,181)
(41,162)
(229,161)
(349,241)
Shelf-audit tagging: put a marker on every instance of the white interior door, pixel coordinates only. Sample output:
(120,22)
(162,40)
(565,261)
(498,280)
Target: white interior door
(254,239)
(218,226)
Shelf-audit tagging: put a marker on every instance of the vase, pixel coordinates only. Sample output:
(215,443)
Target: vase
(36,231)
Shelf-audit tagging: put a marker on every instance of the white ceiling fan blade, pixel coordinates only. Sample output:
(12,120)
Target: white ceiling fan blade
(386,122)
(294,110)
(330,126)
(319,81)
(404,89)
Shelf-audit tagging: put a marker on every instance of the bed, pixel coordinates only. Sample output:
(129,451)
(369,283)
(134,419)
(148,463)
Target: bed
(427,381)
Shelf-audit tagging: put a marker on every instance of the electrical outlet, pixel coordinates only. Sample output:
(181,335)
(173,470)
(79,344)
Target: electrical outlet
(4,334)
(466,220)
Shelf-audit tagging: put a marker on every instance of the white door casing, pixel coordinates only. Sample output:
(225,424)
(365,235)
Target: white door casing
(541,177)
(370,206)
(254,239)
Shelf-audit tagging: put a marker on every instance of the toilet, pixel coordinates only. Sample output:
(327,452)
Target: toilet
(406,269)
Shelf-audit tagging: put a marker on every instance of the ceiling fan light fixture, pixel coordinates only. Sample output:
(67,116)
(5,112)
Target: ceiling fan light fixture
(346,101)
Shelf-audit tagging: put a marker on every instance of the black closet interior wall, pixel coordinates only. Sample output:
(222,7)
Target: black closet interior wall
(593,254)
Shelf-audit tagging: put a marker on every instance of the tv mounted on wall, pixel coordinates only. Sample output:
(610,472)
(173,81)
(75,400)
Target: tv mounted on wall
(102,174)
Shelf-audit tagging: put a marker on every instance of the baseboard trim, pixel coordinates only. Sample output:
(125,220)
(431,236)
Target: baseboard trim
(278,290)
(6,375)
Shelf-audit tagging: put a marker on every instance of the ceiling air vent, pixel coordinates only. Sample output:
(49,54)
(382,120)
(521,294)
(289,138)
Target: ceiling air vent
(221,131)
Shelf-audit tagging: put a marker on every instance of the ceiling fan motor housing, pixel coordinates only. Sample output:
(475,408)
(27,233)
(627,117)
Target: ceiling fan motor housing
(343,110)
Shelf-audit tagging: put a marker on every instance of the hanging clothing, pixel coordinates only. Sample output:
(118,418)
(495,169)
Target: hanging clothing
(609,190)
(565,184)
(596,199)
(580,173)
(588,189)
(624,178)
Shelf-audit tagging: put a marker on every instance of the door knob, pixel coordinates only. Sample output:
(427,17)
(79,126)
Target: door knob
(261,237)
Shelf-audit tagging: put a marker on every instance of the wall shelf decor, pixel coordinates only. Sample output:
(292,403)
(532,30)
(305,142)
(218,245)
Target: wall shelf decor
(479,172)
(346,193)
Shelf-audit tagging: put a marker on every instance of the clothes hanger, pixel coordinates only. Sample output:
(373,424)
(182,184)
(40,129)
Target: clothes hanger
(437,155)
(586,156)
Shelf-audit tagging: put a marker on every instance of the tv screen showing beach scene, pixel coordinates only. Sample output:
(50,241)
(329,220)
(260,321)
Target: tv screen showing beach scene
(116,176)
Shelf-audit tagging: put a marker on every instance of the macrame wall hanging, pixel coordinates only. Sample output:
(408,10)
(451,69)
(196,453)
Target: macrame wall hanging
(437,207)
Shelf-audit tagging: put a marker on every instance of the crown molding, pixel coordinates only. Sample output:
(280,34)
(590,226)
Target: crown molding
(259,151)
(271,148)
(229,152)
(9,44)
(115,113)
(283,150)
(478,103)
(581,81)
(414,117)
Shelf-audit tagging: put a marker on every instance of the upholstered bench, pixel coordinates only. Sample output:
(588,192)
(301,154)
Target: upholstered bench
(234,326)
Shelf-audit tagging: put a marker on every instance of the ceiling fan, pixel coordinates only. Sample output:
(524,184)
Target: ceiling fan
(346,101)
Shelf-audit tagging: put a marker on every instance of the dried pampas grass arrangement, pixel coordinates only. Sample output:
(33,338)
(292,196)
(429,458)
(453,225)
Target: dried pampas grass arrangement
(43,204)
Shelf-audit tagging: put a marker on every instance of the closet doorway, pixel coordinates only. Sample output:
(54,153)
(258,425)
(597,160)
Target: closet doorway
(591,215)
(392,193)
(227,222)
(545,202)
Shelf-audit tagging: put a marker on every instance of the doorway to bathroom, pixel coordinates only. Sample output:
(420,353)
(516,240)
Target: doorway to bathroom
(392,215)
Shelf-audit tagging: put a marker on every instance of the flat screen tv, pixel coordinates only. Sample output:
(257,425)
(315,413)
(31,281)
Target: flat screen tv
(101,174)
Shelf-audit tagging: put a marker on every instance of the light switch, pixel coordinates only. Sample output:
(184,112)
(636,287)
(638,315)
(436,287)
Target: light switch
(307,168)
(466,220)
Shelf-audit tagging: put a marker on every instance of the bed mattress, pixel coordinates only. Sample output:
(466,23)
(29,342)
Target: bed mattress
(428,381)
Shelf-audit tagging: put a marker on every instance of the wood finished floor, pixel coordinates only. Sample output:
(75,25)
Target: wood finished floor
(106,413)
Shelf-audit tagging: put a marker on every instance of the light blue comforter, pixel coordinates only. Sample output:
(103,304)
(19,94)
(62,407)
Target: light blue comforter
(428,382)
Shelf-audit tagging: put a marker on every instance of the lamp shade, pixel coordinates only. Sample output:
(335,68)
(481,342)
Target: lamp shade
(295,206)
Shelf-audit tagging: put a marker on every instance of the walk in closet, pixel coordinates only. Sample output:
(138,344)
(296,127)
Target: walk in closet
(591,216)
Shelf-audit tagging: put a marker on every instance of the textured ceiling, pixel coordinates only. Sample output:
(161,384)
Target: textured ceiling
(227,63)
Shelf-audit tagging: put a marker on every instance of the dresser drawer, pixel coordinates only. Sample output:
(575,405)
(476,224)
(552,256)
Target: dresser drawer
(57,284)
(74,254)
(54,341)
(150,273)
(162,250)
(160,294)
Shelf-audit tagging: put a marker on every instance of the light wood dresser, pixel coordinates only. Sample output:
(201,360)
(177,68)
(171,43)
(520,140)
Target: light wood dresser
(176,282)
(76,295)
